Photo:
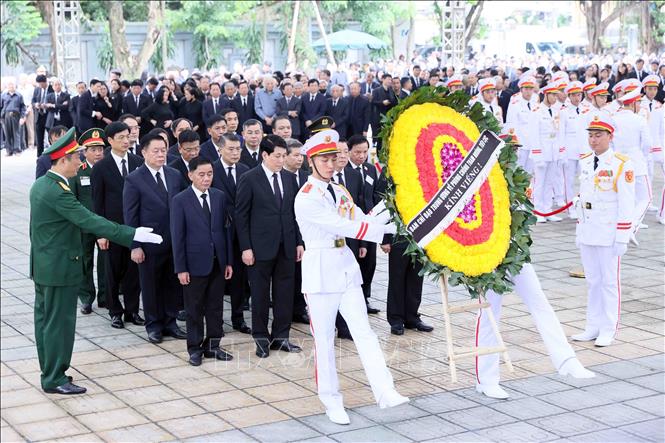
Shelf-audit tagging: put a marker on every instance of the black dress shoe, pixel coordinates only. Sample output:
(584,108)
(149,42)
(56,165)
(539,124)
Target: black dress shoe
(86,309)
(420,326)
(175,333)
(344,334)
(195,359)
(116,322)
(135,319)
(154,337)
(219,354)
(182,316)
(243,328)
(262,351)
(70,378)
(397,330)
(245,306)
(284,345)
(371,310)
(66,389)
(302,318)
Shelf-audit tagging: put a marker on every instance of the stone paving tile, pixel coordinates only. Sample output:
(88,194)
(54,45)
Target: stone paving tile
(654,405)
(391,415)
(280,432)
(443,402)
(477,418)
(322,424)
(512,432)
(653,430)
(425,428)
(567,425)
(374,434)
(604,436)
(619,391)
(616,415)
(527,408)
(188,427)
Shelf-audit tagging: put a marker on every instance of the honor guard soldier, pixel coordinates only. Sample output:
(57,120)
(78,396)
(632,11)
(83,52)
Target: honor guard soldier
(605,209)
(487,98)
(633,140)
(588,85)
(326,214)
(613,106)
(455,83)
(653,110)
(93,142)
(56,222)
(519,117)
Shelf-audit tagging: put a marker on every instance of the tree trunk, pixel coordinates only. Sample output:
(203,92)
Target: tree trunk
(264,34)
(596,24)
(46,11)
(165,49)
(472,20)
(291,59)
(324,36)
(410,39)
(393,39)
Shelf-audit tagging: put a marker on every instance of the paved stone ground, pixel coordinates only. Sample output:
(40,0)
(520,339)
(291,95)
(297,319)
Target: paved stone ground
(141,392)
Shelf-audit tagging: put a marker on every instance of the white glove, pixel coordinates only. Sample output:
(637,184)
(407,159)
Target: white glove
(618,249)
(380,213)
(390,228)
(145,235)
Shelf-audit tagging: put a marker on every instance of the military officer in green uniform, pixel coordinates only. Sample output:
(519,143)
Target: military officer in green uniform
(93,142)
(56,266)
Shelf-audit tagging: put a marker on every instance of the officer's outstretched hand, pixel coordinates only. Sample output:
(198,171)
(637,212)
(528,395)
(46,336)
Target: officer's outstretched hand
(145,235)
(619,249)
(380,213)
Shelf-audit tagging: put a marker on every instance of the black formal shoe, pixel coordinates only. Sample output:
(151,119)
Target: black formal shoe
(66,389)
(175,333)
(302,318)
(344,334)
(195,359)
(182,316)
(86,309)
(245,306)
(397,330)
(116,322)
(219,354)
(284,345)
(371,310)
(420,326)
(154,337)
(135,319)
(262,351)
(243,328)
(70,378)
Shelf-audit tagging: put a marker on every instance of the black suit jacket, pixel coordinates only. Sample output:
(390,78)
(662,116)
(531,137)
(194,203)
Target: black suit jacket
(221,181)
(179,165)
(417,82)
(295,104)
(208,151)
(73,110)
(108,185)
(504,100)
(246,158)
(311,110)
(244,113)
(61,107)
(36,96)
(143,205)
(366,88)
(84,108)
(262,226)
(359,115)
(378,96)
(339,113)
(209,109)
(129,107)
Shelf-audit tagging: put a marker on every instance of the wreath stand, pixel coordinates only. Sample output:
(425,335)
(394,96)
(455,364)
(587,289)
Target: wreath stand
(473,351)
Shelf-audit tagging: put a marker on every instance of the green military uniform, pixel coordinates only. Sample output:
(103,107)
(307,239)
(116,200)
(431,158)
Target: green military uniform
(56,262)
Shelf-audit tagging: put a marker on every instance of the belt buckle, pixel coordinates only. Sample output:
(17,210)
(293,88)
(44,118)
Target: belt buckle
(339,242)
(587,205)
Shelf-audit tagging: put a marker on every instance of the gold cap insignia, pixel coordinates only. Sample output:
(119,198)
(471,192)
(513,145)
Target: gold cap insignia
(324,121)
(327,139)
(596,118)
(95,134)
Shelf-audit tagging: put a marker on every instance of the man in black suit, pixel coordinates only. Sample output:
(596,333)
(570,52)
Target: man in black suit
(368,197)
(338,109)
(383,100)
(230,93)
(57,105)
(313,103)
(201,243)
(359,111)
(472,84)
(252,133)
(134,130)
(85,113)
(108,181)
(216,129)
(213,105)
(271,244)
(226,173)
(40,108)
(368,85)
(406,86)
(289,105)
(73,104)
(416,81)
(188,146)
(147,197)
(639,72)
(135,103)
(503,95)
(244,104)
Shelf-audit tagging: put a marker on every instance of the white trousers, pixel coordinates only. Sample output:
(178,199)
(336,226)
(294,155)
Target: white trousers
(559,184)
(570,169)
(323,309)
(524,161)
(643,199)
(543,185)
(602,273)
(527,286)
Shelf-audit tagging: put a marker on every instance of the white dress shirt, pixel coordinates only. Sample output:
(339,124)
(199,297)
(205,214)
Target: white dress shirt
(161,174)
(198,197)
(118,161)
(269,174)
(233,170)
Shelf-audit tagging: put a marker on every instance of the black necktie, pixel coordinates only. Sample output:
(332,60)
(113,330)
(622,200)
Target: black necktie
(214,106)
(595,162)
(206,208)
(577,110)
(137,102)
(244,102)
(131,149)
(340,179)
(230,173)
(332,192)
(124,167)
(491,109)
(288,100)
(255,156)
(550,111)
(650,107)
(360,170)
(278,191)
(161,187)
(528,105)
(334,103)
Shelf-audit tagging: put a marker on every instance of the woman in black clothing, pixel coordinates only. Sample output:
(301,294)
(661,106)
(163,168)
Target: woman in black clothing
(191,108)
(159,113)
(106,106)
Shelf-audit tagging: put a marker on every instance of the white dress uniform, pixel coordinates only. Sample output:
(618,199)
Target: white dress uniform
(493,108)
(517,120)
(331,282)
(605,209)
(632,138)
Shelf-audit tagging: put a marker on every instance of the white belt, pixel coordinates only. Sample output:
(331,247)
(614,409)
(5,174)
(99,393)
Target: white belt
(325,244)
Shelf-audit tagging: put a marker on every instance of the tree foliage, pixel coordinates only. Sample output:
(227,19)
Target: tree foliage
(21,22)
(597,22)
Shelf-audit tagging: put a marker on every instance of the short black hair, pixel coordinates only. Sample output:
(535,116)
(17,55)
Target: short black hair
(357,139)
(385,76)
(56,130)
(639,60)
(137,82)
(281,117)
(125,83)
(270,142)
(251,122)
(416,66)
(41,78)
(326,72)
(312,80)
(177,121)
(215,84)
(188,136)
(94,81)
(228,111)
(404,80)
(153,81)
(231,138)
(197,161)
(434,73)
(214,119)
(150,136)
(125,117)
(80,83)
(115,127)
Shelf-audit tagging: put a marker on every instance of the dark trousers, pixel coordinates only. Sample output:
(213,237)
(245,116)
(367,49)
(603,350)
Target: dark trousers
(160,292)
(278,271)
(40,129)
(299,305)
(204,299)
(405,287)
(238,286)
(367,268)
(121,269)
(87,290)
(12,132)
